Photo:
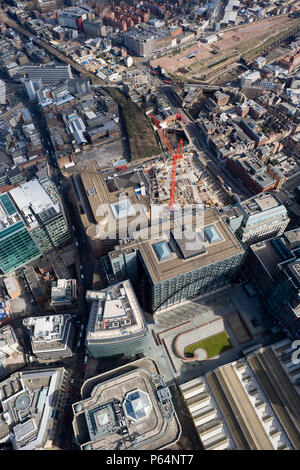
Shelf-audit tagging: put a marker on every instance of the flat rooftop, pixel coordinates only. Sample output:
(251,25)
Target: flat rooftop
(128,179)
(115,314)
(48,332)
(127,408)
(94,193)
(9,215)
(218,243)
(28,408)
(260,203)
(63,290)
(36,200)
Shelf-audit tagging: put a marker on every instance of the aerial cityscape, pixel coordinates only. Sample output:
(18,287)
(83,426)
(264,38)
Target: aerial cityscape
(149,226)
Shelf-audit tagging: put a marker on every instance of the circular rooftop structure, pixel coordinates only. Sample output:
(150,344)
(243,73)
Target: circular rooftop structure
(137,405)
(22,402)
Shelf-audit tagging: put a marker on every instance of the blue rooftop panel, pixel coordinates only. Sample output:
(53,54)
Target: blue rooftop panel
(162,250)
(212,234)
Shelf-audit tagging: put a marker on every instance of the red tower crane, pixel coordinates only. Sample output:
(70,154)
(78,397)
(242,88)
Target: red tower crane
(177,156)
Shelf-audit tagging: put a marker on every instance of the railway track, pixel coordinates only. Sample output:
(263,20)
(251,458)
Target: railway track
(54,52)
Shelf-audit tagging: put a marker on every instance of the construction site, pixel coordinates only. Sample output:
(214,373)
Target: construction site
(193,185)
(180,177)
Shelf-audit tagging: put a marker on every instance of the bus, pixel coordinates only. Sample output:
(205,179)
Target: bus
(122,167)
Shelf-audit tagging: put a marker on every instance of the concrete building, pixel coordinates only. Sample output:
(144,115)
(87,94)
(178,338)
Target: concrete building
(257,218)
(210,39)
(252,172)
(64,295)
(39,205)
(172,266)
(116,324)
(51,337)
(49,73)
(72,18)
(31,405)
(107,213)
(2,92)
(268,263)
(127,408)
(31,87)
(12,286)
(249,404)
(148,40)
(11,352)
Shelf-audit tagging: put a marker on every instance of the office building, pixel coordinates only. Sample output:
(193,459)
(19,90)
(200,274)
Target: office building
(282,300)
(36,287)
(16,245)
(2,92)
(127,408)
(175,265)
(31,87)
(39,205)
(106,210)
(51,337)
(72,18)
(272,265)
(48,73)
(116,325)
(64,296)
(260,217)
(252,172)
(31,406)
(249,404)
(147,40)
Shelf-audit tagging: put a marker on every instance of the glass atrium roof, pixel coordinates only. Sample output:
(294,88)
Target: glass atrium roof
(137,405)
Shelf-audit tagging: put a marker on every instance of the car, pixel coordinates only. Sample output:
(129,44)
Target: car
(82,276)
(82,326)
(86,359)
(78,344)
(71,381)
(70,389)
(80,334)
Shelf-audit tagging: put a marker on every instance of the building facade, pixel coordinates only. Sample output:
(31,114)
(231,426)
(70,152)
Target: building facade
(168,271)
(116,324)
(51,337)
(260,217)
(128,408)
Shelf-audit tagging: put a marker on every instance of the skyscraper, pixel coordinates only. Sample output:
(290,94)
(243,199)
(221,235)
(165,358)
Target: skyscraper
(2,92)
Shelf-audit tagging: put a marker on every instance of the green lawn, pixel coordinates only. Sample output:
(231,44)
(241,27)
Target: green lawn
(214,345)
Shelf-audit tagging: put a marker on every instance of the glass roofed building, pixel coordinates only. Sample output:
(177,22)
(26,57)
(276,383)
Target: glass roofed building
(137,405)
(32,223)
(127,408)
(16,245)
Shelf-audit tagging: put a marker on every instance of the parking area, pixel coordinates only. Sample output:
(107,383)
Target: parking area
(105,154)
